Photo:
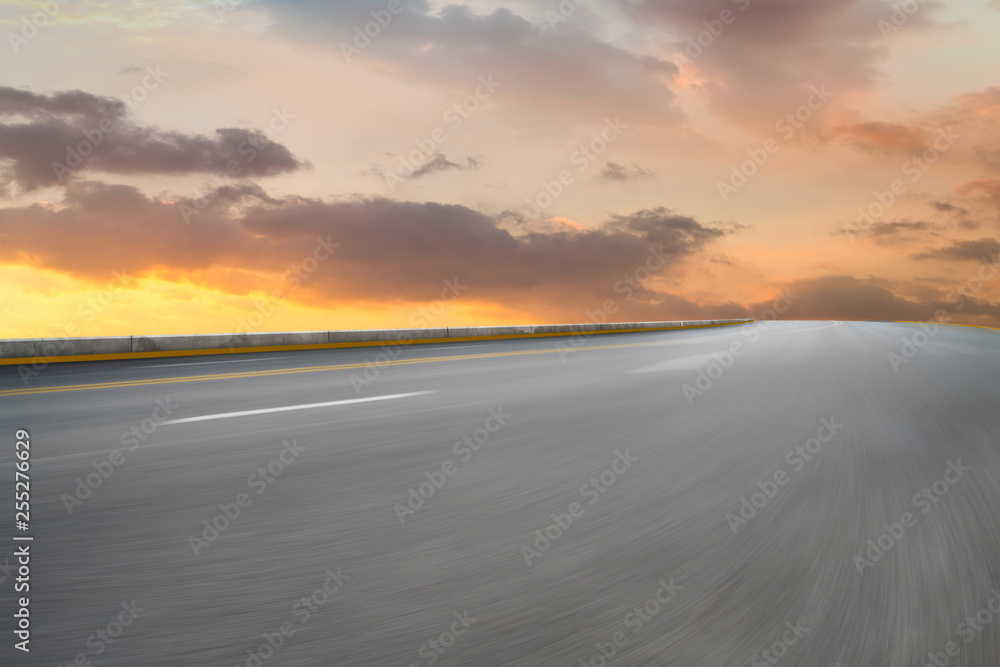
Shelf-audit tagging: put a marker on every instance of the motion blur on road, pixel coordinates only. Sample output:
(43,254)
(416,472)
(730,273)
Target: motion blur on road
(795,493)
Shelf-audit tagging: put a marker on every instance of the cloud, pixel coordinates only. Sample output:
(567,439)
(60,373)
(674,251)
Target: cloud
(945,207)
(615,172)
(567,72)
(389,251)
(962,216)
(761,64)
(848,298)
(75,103)
(886,138)
(984,248)
(988,188)
(892,232)
(438,162)
(51,139)
(896,231)
(984,105)
(971,119)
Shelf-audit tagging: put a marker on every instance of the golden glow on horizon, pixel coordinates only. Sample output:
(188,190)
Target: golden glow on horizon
(51,305)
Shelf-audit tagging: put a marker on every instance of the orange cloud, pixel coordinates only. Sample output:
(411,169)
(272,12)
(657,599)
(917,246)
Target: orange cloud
(883,137)
(989,187)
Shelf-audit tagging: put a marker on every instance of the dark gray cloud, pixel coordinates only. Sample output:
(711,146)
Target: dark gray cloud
(984,248)
(890,232)
(51,139)
(900,227)
(945,207)
(74,103)
(615,172)
(899,231)
(389,250)
(961,215)
(404,248)
(438,163)
(848,298)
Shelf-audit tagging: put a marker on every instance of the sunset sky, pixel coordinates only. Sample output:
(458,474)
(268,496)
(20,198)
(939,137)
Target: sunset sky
(176,167)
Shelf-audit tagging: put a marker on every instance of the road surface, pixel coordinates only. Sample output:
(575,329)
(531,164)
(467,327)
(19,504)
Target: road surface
(788,493)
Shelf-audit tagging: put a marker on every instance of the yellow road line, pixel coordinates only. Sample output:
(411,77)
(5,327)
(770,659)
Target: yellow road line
(317,369)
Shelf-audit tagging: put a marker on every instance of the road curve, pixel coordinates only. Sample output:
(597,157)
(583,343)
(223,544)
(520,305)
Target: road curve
(793,493)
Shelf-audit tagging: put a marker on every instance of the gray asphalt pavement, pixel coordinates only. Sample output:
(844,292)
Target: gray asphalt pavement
(786,494)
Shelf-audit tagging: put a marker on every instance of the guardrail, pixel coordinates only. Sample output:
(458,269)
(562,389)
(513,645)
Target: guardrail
(48,350)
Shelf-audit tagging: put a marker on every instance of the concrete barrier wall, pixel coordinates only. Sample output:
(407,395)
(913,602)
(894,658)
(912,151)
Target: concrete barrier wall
(51,349)
(60,347)
(382,335)
(227,341)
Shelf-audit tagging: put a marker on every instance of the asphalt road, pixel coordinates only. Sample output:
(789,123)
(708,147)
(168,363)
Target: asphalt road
(652,557)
